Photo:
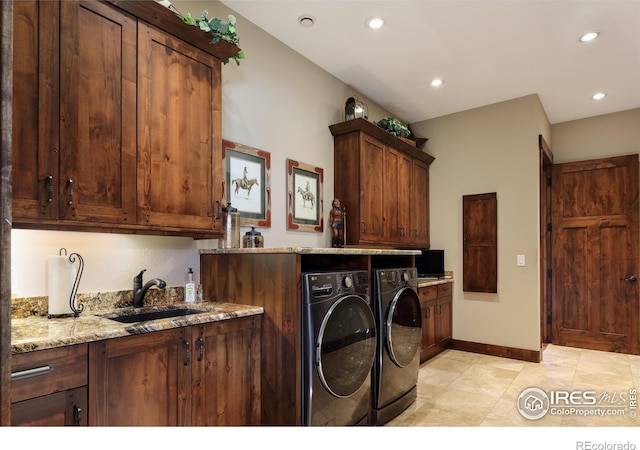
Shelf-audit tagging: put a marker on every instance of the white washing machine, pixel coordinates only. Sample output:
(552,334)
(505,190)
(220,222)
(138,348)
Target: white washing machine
(396,308)
(339,348)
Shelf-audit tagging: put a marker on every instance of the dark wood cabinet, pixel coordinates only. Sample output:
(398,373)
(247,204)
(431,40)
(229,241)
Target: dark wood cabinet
(78,161)
(226,373)
(49,387)
(198,375)
(116,119)
(383,183)
(180,138)
(435,304)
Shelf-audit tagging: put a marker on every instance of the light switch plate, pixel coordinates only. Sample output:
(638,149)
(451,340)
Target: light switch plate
(520,261)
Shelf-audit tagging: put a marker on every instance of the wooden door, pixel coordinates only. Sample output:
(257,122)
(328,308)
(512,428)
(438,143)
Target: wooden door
(179,141)
(420,204)
(141,380)
(480,239)
(595,254)
(35,110)
(226,373)
(397,197)
(372,160)
(97,113)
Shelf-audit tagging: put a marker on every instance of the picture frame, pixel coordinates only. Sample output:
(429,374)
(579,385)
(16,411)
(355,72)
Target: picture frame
(304,197)
(247,175)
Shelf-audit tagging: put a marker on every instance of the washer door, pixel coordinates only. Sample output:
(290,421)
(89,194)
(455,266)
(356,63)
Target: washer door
(403,327)
(346,346)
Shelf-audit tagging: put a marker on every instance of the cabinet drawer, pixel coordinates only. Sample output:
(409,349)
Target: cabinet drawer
(46,371)
(444,290)
(428,293)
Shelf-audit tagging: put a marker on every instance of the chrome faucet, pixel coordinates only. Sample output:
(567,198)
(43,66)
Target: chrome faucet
(139,290)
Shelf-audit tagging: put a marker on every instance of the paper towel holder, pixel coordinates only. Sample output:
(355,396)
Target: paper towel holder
(72,297)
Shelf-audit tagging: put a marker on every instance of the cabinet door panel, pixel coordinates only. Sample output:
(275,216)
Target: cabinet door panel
(420,204)
(35,109)
(180,136)
(372,157)
(65,408)
(140,380)
(397,191)
(97,113)
(226,384)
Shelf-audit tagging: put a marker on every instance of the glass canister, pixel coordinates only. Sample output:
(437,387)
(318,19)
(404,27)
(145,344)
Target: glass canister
(253,239)
(231,225)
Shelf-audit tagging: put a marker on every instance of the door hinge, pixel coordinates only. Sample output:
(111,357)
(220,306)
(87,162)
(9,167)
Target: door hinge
(549,227)
(549,319)
(548,181)
(549,273)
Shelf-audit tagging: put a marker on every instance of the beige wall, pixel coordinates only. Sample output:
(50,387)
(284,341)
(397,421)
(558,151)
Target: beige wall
(491,149)
(596,137)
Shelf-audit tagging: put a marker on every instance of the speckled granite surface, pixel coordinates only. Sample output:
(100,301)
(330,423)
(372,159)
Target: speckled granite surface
(32,330)
(313,250)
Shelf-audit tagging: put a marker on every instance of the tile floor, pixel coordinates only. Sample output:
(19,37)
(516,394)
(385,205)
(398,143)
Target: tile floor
(457,388)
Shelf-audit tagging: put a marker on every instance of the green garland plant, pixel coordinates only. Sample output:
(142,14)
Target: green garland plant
(393,126)
(219,29)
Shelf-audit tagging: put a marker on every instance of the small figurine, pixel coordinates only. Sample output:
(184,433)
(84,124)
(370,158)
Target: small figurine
(337,218)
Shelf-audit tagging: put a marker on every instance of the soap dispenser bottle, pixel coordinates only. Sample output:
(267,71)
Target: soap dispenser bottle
(190,288)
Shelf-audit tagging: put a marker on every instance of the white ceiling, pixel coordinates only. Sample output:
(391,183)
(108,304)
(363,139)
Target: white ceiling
(486,51)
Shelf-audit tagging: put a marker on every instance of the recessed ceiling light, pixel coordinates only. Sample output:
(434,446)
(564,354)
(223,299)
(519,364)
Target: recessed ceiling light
(375,23)
(590,36)
(436,82)
(599,96)
(306,21)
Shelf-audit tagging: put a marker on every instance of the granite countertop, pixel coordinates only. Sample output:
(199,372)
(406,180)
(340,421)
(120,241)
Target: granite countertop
(312,251)
(39,333)
(423,282)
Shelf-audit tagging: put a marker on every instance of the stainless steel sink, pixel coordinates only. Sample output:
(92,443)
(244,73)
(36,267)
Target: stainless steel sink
(135,316)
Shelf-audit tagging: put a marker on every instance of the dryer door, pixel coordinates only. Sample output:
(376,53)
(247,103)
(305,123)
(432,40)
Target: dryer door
(403,327)
(346,346)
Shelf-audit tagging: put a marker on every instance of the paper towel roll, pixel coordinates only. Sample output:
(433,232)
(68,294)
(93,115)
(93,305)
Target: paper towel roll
(62,275)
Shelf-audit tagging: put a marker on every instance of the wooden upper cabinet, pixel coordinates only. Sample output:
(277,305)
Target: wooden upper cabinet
(35,110)
(371,155)
(97,109)
(383,183)
(397,190)
(480,243)
(116,120)
(420,201)
(179,141)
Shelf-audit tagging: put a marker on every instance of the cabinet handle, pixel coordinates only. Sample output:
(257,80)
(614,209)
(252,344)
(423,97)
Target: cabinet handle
(36,371)
(364,227)
(427,313)
(217,209)
(77,411)
(70,186)
(187,353)
(415,233)
(200,344)
(49,188)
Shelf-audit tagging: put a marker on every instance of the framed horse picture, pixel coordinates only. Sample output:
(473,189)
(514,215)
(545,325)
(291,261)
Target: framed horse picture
(304,197)
(248,183)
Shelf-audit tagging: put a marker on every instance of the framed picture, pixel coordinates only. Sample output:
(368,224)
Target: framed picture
(248,183)
(304,197)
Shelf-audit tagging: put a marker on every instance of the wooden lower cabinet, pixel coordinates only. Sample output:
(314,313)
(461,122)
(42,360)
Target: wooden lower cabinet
(226,373)
(49,387)
(198,375)
(435,304)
